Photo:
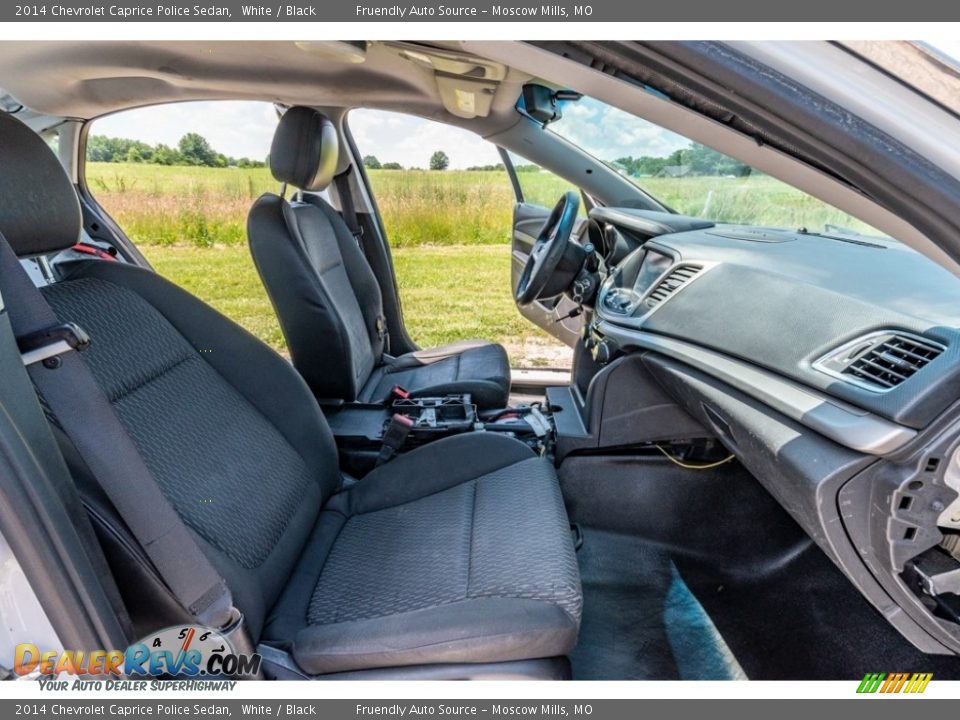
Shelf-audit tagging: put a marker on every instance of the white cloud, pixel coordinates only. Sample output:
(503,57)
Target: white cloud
(245,129)
(609,133)
(410,141)
(237,129)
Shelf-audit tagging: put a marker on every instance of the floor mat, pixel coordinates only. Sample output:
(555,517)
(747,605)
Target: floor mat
(640,621)
(646,617)
(746,571)
(806,622)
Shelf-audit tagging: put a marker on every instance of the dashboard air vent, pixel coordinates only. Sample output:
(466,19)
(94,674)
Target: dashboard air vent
(675,279)
(881,361)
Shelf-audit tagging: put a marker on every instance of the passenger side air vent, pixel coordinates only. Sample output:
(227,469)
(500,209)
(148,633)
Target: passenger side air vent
(880,361)
(675,279)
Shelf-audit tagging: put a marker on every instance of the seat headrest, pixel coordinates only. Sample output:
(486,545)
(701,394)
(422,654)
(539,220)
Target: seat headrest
(305,149)
(39,210)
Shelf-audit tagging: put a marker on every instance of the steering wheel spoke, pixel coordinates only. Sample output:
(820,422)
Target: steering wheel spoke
(548,250)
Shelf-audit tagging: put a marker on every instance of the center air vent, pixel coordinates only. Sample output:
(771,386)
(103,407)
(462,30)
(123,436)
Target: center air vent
(880,361)
(675,279)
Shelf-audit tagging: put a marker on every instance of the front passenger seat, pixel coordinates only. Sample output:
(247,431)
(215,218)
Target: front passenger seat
(327,298)
(456,557)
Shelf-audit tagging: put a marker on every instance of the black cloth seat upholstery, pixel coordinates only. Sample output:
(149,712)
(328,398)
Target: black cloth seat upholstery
(457,552)
(327,298)
(447,581)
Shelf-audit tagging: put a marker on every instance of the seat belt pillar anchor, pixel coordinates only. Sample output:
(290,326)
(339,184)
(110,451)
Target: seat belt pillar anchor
(51,342)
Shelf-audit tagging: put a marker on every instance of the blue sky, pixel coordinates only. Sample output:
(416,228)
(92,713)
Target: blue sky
(244,129)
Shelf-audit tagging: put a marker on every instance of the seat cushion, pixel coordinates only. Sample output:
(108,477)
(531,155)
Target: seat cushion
(459,552)
(471,366)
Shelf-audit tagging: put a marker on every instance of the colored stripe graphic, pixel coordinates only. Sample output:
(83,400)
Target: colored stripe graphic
(894,683)
(871,682)
(919,682)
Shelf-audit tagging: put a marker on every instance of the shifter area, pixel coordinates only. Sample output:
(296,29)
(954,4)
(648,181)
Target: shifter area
(362,431)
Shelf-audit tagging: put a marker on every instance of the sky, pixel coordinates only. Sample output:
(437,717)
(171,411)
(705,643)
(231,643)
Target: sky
(609,133)
(245,129)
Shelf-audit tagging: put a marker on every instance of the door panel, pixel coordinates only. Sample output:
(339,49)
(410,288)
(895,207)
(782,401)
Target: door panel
(527,221)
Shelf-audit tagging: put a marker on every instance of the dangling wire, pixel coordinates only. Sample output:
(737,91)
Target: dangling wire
(688,466)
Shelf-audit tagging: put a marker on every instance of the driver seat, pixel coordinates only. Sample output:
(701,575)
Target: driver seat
(326,296)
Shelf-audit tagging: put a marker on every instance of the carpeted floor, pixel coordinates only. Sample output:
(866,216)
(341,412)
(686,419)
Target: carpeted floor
(640,619)
(695,576)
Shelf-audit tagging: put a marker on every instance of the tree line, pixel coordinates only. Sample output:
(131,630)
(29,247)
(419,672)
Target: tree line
(193,149)
(441,161)
(694,160)
(438,161)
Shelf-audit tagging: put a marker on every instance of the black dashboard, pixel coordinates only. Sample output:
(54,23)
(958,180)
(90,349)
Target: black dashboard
(787,302)
(829,364)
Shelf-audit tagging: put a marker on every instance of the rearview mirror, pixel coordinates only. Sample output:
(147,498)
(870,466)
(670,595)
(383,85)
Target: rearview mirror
(542,104)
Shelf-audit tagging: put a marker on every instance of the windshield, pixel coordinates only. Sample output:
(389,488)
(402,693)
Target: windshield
(693,179)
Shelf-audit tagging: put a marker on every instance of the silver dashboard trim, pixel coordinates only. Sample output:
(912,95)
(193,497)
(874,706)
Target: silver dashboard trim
(845,424)
(703,266)
(820,364)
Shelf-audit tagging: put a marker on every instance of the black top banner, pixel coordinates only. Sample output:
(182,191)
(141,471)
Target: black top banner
(478,11)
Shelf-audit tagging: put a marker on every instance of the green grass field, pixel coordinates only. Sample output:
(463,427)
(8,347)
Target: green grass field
(159,205)
(436,308)
(449,232)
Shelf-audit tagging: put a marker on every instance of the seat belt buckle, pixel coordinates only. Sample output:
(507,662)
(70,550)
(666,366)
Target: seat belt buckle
(394,437)
(48,343)
(398,392)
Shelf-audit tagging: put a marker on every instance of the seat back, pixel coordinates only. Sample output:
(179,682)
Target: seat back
(324,293)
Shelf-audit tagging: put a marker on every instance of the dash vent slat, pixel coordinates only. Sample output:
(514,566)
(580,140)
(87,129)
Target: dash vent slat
(676,279)
(882,361)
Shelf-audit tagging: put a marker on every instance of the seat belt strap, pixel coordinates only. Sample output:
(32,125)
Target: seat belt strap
(347,208)
(68,389)
(349,213)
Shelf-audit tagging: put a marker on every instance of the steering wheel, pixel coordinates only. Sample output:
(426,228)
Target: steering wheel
(548,251)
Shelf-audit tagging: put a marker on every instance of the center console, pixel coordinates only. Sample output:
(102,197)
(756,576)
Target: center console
(362,430)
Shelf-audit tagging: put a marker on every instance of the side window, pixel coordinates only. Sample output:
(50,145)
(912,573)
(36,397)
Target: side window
(539,186)
(179,180)
(446,203)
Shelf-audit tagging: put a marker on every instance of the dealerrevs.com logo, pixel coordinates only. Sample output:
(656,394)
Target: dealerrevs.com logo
(180,651)
(891,683)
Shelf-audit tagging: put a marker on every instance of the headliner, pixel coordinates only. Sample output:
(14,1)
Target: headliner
(89,79)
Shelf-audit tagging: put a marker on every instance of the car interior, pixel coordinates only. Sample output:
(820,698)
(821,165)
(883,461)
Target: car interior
(752,472)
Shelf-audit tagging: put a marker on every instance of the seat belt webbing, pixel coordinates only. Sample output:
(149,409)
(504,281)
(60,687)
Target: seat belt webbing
(86,416)
(347,208)
(349,213)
